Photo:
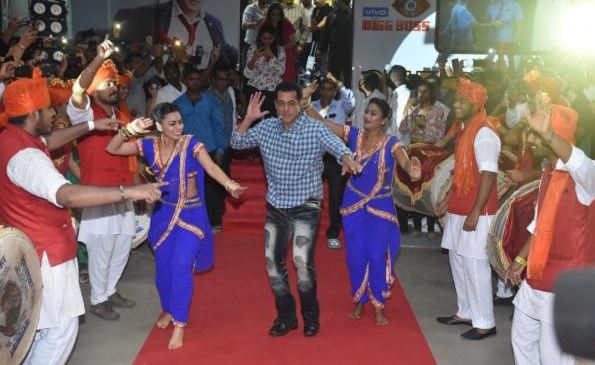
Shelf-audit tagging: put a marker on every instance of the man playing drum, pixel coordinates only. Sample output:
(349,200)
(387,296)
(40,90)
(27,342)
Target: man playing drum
(471,205)
(34,198)
(562,236)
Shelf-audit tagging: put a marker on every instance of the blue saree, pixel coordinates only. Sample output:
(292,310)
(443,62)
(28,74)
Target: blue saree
(370,220)
(179,234)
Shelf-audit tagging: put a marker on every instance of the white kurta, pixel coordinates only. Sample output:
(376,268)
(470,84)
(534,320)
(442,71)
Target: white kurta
(473,244)
(110,219)
(61,300)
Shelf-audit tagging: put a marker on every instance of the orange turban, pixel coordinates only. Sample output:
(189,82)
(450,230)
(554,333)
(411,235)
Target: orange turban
(564,124)
(125,78)
(60,91)
(107,71)
(464,150)
(26,95)
(474,92)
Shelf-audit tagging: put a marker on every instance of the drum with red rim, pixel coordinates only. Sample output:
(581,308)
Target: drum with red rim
(508,231)
(437,165)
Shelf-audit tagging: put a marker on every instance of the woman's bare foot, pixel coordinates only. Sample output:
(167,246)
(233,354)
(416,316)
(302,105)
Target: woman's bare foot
(381,319)
(357,312)
(177,338)
(164,321)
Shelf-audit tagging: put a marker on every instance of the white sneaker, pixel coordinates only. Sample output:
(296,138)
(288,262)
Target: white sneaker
(334,243)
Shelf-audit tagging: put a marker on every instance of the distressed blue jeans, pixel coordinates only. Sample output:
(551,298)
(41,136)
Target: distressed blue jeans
(301,223)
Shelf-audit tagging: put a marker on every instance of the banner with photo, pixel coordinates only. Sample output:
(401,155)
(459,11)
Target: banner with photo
(389,32)
(197,25)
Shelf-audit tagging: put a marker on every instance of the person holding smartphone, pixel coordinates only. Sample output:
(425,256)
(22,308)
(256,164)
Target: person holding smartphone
(265,67)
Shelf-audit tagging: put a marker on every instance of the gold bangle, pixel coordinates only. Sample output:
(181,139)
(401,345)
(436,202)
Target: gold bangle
(130,130)
(124,135)
(521,261)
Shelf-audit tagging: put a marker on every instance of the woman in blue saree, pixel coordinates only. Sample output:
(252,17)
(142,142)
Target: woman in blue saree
(369,218)
(179,234)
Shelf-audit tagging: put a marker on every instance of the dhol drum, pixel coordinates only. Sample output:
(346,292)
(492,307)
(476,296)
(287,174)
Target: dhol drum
(20,295)
(421,196)
(437,166)
(508,232)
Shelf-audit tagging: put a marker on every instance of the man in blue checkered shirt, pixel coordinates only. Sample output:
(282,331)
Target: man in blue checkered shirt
(292,146)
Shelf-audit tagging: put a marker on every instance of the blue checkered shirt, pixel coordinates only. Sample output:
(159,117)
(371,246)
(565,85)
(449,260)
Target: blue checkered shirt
(292,158)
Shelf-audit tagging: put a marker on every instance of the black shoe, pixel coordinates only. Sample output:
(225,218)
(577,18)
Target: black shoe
(311,329)
(281,328)
(474,334)
(119,301)
(453,321)
(503,301)
(105,311)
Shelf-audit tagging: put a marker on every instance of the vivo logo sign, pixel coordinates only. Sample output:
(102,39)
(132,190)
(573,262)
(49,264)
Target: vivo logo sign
(373,12)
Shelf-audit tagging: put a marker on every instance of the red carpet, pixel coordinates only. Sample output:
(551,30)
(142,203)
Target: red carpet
(233,306)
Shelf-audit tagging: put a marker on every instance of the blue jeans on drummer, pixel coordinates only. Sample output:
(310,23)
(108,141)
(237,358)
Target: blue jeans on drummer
(301,222)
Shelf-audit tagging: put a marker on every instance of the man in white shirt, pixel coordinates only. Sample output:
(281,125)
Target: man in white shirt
(295,14)
(398,98)
(337,111)
(28,179)
(252,19)
(305,44)
(174,88)
(369,88)
(471,204)
(143,70)
(107,230)
(562,236)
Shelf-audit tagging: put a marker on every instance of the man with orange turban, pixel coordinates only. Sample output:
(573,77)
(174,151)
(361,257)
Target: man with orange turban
(34,198)
(471,206)
(107,230)
(563,235)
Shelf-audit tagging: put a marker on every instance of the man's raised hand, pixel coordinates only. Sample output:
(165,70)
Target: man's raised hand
(254,110)
(105,48)
(539,118)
